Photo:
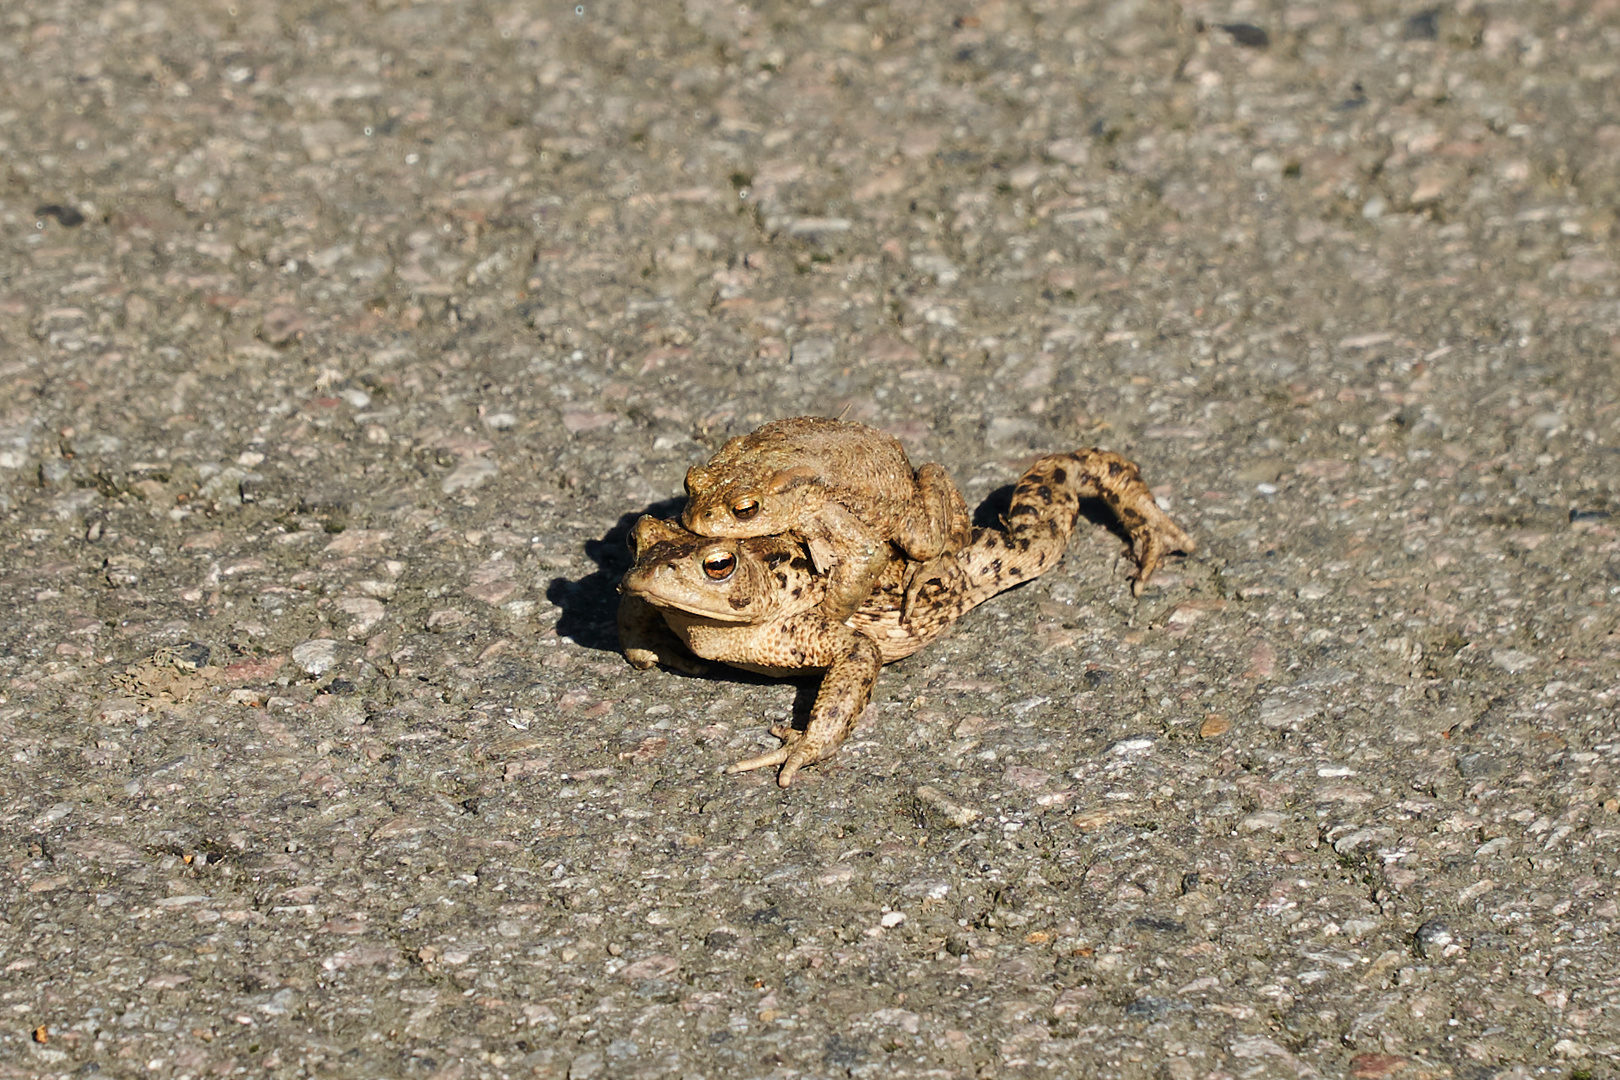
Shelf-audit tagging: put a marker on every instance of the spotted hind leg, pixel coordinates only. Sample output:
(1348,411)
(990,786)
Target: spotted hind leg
(1118,482)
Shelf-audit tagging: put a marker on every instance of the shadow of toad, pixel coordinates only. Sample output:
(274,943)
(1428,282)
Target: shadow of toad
(590,605)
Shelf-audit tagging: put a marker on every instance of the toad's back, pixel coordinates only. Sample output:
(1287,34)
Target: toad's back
(860,467)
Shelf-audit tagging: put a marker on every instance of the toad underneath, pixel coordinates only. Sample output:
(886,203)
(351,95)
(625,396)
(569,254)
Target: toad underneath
(756,602)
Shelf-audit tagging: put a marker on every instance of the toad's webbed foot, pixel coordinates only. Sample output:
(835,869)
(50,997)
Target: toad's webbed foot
(798,749)
(792,740)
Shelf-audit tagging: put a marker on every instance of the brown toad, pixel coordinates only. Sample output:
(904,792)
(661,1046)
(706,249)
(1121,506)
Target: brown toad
(755,602)
(845,488)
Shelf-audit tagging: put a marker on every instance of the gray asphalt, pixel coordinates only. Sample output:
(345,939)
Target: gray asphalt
(341,343)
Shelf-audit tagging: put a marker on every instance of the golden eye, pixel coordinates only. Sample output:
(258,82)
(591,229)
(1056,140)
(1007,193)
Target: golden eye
(719,565)
(745,509)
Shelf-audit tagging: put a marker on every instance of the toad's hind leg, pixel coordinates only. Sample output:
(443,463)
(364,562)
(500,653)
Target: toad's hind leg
(938,522)
(845,691)
(937,527)
(1117,480)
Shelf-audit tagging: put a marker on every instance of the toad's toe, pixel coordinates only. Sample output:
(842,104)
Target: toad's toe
(763,761)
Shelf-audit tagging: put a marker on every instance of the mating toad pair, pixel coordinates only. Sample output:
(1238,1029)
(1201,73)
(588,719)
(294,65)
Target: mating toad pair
(812,544)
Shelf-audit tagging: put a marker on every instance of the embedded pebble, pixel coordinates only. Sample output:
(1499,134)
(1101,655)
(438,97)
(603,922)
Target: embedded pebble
(1134,745)
(316,657)
(471,474)
(1282,713)
(950,812)
(1513,661)
(1432,937)
(1264,821)
(367,613)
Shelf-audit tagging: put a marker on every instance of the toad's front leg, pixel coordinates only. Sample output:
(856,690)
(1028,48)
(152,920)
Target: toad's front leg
(647,640)
(852,554)
(852,661)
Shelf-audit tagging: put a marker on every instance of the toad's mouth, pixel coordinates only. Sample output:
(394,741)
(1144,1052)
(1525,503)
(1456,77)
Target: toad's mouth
(699,616)
(715,610)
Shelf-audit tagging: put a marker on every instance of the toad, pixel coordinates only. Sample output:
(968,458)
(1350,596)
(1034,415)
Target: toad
(847,490)
(757,602)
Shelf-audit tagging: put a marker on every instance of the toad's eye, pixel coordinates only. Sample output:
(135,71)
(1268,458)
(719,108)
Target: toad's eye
(719,565)
(745,509)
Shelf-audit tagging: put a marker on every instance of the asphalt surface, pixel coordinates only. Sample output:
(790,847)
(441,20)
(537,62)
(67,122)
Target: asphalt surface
(340,343)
